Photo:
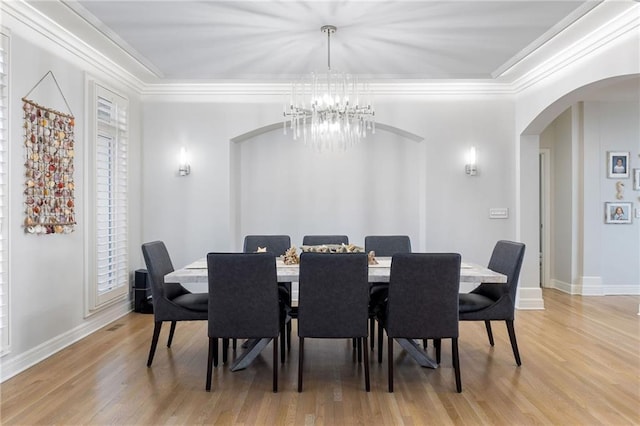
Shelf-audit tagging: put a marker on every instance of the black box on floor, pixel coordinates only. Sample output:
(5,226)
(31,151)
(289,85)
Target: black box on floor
(142,301)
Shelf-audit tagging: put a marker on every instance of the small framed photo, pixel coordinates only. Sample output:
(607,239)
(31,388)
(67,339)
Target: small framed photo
(617,164)
(636,179)
(617,212)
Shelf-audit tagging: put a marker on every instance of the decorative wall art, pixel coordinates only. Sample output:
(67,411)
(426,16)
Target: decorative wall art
(617,212)
(49,184)
(617,164)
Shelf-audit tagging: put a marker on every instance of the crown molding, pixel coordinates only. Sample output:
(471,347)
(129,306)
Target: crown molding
(39,29)
(619,20)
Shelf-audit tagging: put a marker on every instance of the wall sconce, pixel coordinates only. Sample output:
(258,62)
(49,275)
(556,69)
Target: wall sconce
(183,167)
(470,168)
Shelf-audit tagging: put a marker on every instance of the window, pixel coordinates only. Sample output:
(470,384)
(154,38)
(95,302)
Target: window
(4,136)
(109,279)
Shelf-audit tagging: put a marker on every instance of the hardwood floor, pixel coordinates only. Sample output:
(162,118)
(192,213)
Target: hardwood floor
(580,366)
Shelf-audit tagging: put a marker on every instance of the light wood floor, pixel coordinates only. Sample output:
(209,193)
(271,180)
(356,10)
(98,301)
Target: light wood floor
(580,366)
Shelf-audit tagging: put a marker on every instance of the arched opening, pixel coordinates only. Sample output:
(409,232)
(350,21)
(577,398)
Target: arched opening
(281,186)
(576,132)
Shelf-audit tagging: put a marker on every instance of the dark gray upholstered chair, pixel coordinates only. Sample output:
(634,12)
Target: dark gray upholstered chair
(278,245)
(243,302)
(334,295)
(383,246)
(318,240)
(171,301)
(423,303)
(496,302)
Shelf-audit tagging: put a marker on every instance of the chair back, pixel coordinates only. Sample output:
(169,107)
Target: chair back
(318,240)
(387,245)
(423,295)
(506,258)
(334,295)
(243,295)
(158,263)
(276,244)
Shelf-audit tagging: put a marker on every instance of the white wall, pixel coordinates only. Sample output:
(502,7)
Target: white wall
(614,127)
(46,272)
(606,256)
(365,185)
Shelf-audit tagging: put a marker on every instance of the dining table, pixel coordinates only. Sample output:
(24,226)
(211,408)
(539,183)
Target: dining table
(194,276)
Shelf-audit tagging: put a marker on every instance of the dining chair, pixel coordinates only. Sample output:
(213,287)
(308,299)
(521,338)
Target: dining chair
(243,302)
(423,303)
(334,296)
(382,246)
(278,245)
(496,302)
(318,240)
(171,301)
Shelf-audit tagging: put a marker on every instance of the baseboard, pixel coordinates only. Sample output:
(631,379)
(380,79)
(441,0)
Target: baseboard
(563,286)
(530,299)
(593,286)
(15,365)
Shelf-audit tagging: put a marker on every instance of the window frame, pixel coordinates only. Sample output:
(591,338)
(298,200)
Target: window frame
(117,207)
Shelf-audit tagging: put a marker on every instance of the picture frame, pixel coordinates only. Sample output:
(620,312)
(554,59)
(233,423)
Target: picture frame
(618,212)
(636,179)
(617,164)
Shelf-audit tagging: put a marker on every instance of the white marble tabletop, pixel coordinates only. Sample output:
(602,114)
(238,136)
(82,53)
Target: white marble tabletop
(196,273)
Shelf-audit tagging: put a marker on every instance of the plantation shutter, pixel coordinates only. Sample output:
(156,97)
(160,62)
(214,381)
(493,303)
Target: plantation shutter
(112,277)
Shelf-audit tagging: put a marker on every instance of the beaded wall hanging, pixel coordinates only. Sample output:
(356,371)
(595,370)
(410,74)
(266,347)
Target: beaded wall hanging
(49,152)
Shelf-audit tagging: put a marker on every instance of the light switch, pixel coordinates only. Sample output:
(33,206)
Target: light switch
(498,213)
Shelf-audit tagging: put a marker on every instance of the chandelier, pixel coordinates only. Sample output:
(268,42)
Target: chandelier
(329,111)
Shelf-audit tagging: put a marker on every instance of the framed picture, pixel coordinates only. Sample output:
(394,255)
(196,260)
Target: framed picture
(617,164)
(636,179)
(617,212)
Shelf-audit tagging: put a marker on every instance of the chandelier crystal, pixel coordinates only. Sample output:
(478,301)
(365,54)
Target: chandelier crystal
(329,111)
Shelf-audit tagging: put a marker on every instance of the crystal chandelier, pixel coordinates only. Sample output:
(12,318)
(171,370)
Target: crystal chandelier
(329,111)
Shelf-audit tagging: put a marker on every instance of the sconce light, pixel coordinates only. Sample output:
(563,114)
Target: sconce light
(470,168)
(183,167)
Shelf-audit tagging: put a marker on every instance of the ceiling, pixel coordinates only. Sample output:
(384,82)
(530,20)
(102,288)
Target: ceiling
(281,40)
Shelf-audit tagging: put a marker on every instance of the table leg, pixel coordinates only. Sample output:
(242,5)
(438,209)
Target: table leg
(417,353)
(253,350)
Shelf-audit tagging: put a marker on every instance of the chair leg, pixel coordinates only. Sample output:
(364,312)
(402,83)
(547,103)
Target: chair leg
(437,343)
(455,358)
(359,349)
(289,326)
(282,343)
(372,331)
(300,361)
(154,341)
(487,324)
(275,364)
(234,344)
(367,382)
(380,340)
(424,344)
(171,331)
(514,343)
(210,357)
(390,362)
(225,350)
(215,352)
